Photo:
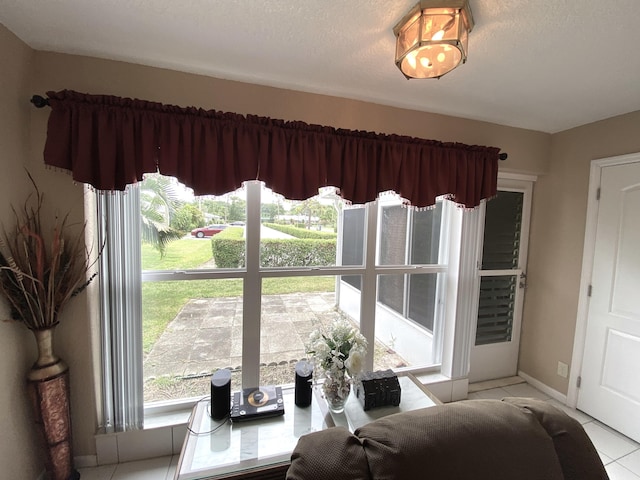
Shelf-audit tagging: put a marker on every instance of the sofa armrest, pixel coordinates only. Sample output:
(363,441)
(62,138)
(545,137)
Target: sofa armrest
(578,457)
(324,454)
(467,440)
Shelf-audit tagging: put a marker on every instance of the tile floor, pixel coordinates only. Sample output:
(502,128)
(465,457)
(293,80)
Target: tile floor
(620,455)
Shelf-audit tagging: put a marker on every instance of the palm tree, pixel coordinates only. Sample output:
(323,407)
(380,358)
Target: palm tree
(158,204)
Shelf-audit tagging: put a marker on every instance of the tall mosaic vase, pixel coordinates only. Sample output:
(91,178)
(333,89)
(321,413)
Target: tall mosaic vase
(336,388)
(48,384)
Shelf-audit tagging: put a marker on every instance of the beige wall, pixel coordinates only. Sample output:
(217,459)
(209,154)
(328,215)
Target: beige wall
(558,218)
(557,236)
(18,453)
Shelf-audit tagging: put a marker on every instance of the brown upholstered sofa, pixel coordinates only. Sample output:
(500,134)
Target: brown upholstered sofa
(512,439)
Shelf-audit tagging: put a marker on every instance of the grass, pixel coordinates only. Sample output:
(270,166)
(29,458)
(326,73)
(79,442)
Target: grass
(162,301)
(180,254)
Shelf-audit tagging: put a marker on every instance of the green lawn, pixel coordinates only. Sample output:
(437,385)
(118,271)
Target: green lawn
(180,254)
(161,301)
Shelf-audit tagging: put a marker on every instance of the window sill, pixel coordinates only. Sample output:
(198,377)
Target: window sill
(163,434)
(444,388)
(168,419)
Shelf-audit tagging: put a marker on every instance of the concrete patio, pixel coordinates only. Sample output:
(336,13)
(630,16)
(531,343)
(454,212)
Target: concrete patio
(206,335)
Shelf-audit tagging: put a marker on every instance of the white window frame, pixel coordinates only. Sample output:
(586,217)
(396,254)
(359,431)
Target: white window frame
(457,247)
(411,331)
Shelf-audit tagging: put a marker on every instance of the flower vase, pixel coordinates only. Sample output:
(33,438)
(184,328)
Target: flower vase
(48,384)
(336,388)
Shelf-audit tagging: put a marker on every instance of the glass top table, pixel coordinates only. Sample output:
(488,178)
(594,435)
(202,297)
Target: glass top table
(261,448)
(413,396)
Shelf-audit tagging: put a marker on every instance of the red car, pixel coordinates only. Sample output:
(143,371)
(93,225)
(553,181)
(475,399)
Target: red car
(208,231)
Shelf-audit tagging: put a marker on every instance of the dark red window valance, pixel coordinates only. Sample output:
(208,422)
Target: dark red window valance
(110,142)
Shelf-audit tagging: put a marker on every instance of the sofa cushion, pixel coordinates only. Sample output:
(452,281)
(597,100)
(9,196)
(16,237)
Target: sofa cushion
(469,440)
(578,457)
(321,455)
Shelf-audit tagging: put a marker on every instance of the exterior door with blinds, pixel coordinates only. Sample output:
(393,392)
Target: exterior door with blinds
(501,282)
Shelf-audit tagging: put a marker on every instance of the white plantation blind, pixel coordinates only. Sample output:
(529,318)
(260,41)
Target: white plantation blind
(501,251)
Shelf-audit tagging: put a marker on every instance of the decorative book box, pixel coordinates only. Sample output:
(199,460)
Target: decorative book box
(378,389)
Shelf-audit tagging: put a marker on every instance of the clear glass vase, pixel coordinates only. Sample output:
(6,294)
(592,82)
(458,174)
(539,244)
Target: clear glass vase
(336,388)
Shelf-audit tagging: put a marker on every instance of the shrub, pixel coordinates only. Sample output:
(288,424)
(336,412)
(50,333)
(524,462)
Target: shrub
(297,252)
(228,248)
(300,232)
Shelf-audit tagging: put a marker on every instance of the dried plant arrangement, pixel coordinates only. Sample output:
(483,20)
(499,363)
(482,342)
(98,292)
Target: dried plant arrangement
(42,269)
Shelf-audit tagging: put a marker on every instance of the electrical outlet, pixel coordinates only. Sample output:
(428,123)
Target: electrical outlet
(563,369)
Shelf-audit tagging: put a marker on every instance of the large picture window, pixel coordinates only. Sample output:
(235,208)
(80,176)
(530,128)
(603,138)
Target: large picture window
(241,280)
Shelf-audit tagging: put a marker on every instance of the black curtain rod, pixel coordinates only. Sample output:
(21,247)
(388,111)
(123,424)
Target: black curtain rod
(40,102)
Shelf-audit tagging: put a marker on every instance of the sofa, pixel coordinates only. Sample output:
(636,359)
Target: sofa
(508,439)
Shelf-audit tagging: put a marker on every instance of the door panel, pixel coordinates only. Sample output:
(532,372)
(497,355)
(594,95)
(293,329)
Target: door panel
(501,283)
(622,354)
(625,299)
(609,389)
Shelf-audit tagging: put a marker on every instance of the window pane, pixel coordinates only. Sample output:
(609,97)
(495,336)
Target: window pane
(183,232)
(353,228)
(350,296)
(292,307)
(503,223)
(393,235)
(408,338)
(496,309)
(191,328)
(425,235)
(391,292)
(422,299)
(298,233)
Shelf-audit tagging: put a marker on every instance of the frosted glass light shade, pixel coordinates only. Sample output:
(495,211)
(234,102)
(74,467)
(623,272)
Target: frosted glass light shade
(432,38)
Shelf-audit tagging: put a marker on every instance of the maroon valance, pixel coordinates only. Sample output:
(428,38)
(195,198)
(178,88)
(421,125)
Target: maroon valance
(110,142)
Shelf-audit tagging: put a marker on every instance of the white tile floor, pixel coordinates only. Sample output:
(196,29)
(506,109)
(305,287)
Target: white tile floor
(620,455)
(161,468)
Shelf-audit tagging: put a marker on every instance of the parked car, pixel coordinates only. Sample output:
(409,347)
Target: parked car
(208,231)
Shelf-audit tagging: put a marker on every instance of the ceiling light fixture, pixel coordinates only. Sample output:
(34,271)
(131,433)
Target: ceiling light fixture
(431,39)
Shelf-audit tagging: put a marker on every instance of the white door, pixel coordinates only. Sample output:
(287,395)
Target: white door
(610,374)
(501,282)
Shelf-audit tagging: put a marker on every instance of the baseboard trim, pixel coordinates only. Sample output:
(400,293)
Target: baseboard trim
(561,397)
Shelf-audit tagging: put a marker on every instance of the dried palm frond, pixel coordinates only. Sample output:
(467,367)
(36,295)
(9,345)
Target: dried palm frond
(40,271)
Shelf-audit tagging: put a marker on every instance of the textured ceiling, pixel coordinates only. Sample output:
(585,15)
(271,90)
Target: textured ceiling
(545,65)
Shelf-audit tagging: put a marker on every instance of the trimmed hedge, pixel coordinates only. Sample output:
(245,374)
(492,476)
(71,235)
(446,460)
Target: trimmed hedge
(300,232)
(228,249)
(298,252)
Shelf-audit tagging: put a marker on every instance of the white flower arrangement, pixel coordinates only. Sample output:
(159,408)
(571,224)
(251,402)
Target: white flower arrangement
(340,349)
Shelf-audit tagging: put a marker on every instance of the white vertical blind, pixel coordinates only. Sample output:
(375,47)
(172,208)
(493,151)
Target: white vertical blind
(121,309)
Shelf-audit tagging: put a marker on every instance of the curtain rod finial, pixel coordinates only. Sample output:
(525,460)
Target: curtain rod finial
(39,101)
(503,156)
